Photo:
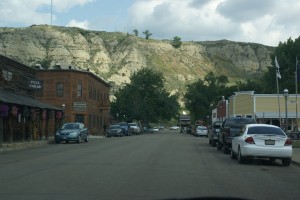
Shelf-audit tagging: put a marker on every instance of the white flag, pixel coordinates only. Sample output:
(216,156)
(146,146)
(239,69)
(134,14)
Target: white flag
(277,68)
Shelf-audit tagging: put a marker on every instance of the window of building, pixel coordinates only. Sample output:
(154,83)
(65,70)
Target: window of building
(59,89)
(79,90)
(39,93)
(90,92)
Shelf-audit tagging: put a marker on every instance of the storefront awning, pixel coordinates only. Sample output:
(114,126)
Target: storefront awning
(13,98)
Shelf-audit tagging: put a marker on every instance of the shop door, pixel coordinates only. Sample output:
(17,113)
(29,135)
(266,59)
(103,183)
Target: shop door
(79,118)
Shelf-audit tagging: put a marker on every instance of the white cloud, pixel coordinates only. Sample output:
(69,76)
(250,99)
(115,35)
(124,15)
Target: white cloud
(266,22)
(83,24)
(27,12)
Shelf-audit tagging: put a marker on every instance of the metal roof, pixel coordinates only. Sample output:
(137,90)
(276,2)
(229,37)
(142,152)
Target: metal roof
(13,98)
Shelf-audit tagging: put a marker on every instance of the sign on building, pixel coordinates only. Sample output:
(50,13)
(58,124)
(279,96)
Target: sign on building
(79,106)
(35,84)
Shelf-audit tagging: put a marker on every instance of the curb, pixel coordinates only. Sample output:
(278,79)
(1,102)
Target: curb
(296,163)
(31,144)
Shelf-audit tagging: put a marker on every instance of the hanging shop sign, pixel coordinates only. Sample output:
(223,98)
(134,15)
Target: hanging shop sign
(35,84)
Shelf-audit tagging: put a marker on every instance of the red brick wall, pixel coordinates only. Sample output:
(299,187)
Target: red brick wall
(97,108)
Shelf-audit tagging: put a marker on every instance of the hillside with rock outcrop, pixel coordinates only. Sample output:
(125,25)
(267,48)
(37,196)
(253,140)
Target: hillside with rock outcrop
(115,56)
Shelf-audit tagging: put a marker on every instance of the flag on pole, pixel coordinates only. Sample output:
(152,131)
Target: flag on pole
(277,68)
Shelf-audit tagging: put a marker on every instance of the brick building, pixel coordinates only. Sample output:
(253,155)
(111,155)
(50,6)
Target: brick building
(83,96)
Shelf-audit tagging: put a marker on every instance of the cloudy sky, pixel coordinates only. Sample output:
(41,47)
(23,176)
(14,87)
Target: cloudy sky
(261,21)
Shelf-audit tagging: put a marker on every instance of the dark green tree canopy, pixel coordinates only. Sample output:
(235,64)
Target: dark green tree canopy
(145,98)
(203,95)
(147,34)
(136,32)
(176,42)
(286,54)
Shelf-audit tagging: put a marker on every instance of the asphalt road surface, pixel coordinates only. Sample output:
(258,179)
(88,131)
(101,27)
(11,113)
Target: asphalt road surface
(167,165)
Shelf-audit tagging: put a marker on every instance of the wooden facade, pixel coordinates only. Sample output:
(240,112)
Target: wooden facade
(82,95)
(22,117)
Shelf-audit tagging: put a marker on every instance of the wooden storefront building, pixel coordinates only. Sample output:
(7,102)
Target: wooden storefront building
(83,96)
(22,117)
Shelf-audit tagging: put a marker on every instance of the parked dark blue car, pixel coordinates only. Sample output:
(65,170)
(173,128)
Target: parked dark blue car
(125,127)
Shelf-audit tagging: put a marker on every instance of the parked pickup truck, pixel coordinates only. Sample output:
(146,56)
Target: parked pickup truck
(214,132)
(230,128)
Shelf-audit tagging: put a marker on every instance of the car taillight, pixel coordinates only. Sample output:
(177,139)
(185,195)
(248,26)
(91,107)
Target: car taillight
(288,142)
(249,140)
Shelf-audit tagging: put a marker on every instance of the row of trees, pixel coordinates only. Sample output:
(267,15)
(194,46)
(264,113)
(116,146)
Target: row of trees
(146,33)
(176,41)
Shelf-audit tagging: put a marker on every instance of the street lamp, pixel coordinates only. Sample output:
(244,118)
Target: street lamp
(286,94)
(63,112)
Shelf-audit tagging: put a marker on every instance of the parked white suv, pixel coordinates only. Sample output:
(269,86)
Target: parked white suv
(134,128)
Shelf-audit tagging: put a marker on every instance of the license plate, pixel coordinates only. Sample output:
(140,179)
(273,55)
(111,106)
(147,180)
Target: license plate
(269,142)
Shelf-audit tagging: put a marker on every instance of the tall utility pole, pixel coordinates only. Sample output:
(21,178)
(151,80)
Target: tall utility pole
(51,12)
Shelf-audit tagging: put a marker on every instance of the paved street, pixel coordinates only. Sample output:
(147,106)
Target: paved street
(167,165)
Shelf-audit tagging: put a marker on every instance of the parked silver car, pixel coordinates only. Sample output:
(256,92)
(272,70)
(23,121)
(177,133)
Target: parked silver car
(72,132)
(201,131)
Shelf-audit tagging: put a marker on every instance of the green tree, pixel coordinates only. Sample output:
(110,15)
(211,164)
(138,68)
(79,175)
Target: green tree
(286,53)
(203,95)
(145,98)
(136,32)
(147,34)
(176,42)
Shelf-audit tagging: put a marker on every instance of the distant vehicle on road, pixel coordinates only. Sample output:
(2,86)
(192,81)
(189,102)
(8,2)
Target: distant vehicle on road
(115,130)
(72,132)
(155,129)
(262,141)
(174,127)
(201,131)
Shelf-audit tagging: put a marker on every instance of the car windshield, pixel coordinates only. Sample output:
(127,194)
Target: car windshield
(70,126)
(217,125)
(201,128)
(115,126)
(240,122)
(263,130)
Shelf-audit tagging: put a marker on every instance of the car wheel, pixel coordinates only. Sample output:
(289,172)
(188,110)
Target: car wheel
(87,138)
(219,146)
(79,139)
(57,141)
(286,161)
(225,148)
(214,143)
(233,155)
(240,158)
(67,141)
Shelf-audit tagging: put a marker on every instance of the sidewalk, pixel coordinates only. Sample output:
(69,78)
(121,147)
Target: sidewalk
(34,143)
(296,156)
